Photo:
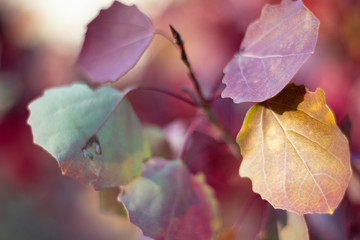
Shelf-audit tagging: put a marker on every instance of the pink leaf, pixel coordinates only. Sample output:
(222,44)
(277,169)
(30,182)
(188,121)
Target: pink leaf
(114,42)
(167,202)
(274,48)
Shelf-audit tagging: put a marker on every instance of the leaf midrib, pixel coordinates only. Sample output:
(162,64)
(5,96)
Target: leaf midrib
(304,162)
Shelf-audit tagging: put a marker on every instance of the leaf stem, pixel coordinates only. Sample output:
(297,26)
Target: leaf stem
(168,93)
(180,43)
(125,92)
(204,103)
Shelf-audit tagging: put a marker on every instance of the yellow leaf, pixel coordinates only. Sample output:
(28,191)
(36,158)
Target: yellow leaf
(293,152)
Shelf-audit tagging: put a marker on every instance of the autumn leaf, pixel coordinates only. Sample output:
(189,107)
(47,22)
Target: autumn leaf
(114,42)
(167,202)
(94,135)
(273,49)
(293,152)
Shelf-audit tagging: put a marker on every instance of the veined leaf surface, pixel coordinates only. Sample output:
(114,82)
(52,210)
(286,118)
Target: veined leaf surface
(294,153)
(114,42)
(167,202)
(273,49)
(94,135)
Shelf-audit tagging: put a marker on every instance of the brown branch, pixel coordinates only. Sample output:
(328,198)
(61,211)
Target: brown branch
(204,103)
(180,43)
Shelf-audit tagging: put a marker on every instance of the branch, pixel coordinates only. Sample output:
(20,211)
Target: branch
(204,103)
(180,43)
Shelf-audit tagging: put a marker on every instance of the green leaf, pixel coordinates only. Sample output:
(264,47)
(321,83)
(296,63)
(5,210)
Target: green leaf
(109,203)
(293,152)
(94,135)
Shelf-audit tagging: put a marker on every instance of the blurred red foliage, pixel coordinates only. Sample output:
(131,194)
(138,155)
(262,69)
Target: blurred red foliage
(38,203)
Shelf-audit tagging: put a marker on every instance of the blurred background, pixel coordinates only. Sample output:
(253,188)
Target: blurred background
(39,43)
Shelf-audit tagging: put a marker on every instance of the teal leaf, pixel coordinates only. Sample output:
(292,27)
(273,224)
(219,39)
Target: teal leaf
(94,135)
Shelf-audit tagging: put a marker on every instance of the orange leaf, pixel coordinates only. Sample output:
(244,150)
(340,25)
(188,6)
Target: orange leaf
(293,152)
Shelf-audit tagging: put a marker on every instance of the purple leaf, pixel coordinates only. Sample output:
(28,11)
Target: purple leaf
(274,48)
(114,42)
(167,202)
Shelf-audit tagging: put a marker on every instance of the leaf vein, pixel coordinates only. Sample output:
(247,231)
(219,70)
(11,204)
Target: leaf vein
(304,162)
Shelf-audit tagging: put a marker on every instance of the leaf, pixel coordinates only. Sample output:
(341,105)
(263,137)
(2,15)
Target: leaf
(114,42)
(109,203)
(293,152)
(283,225)
(168,203)
(94,135)
(321,226)
(273,49)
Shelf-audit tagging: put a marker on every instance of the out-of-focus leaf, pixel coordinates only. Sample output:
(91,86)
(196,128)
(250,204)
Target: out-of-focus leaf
(157,140)
(94,135)
(354,115)
(9,93)
(283,225)
(294,154)
(324,226)
(168,203)
(251,219)
(226,234)
(114,42)
(274,48)
(109,203)
(352,191)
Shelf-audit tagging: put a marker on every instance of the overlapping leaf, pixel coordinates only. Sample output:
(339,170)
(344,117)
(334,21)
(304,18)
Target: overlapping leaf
(109,203)
(273,49)
(295,155)
(94,135)
(168,203)
(114,42)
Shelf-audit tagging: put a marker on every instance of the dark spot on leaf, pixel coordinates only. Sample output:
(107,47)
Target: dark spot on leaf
(93,140)
(292,95)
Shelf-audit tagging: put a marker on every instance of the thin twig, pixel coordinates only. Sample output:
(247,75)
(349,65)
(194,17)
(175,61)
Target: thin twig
(192,94)
(169,93)
(180,43)
(205,105)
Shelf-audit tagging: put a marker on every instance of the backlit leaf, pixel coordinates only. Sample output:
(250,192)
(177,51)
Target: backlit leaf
(94,135)
(293,152)
(273,49)
(114,42)
(167,202)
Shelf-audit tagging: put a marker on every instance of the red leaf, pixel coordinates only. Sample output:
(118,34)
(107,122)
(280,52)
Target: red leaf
(274,48)
(114,42)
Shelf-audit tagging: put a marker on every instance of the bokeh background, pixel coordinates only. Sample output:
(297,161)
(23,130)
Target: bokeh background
(39,43)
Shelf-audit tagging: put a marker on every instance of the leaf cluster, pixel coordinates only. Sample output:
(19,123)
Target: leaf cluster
(292,150)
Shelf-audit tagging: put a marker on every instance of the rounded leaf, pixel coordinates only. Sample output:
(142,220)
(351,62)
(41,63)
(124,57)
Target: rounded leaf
(167,202)
(294,153)
(94,135)
(272,51)
(114,42)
